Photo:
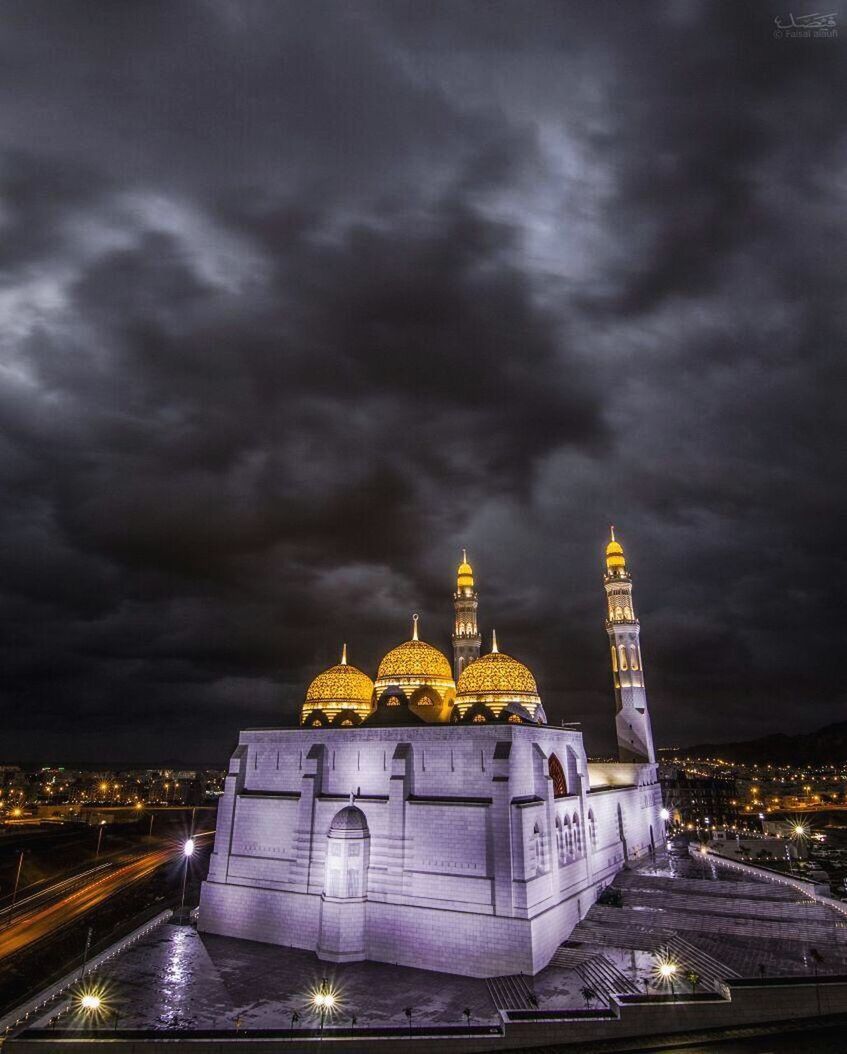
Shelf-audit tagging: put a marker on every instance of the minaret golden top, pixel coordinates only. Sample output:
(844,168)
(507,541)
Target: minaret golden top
(464,575)
(344,655)
(414,627)
(615,561)
(494,649)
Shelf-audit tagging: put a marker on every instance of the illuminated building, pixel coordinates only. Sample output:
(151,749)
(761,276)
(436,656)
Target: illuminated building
(431,817)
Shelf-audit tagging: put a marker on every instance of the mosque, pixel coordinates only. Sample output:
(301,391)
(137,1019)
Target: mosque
(432,817)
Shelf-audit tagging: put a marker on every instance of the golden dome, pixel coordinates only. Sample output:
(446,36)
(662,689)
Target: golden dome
(415,663)
(496,680)
(464,574)
(341,687)
(614,554)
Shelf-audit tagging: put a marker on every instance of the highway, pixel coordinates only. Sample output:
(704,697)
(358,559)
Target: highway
(43,920)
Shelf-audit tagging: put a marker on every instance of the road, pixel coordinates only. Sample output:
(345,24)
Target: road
(42,921)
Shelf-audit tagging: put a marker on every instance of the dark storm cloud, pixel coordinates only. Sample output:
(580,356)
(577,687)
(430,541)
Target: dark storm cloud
(298,299)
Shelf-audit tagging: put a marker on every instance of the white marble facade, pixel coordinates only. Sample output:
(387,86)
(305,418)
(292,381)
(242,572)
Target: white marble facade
(468,849)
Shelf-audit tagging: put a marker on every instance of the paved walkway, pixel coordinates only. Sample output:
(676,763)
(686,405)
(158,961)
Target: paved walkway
(710,920)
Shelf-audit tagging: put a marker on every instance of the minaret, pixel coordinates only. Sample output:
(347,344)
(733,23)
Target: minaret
(466,639)
(635,737)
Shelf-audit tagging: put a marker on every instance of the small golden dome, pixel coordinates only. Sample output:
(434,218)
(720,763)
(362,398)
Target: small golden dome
(464,574)
(415,662)
(614,554)
(341,687)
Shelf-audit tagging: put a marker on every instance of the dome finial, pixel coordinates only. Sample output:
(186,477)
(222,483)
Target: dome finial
(612,532)
(344,654)
(415,626)
(494,648)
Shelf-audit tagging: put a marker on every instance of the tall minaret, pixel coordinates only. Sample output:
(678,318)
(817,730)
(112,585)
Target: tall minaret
(466,639)
(635,737)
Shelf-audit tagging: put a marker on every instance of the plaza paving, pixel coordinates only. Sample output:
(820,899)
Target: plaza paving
(707,919)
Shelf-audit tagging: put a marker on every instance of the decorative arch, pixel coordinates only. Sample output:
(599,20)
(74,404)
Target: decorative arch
(315,719)
(557,775)
(477,714)
(592,829)
(614,659)
(577,835)
(346,719)
(622,651)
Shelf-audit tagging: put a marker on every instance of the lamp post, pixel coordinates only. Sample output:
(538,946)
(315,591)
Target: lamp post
(187,852)
(99,838)
(15,890)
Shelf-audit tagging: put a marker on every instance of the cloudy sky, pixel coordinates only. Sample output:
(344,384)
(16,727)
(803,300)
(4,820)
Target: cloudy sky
(299,298)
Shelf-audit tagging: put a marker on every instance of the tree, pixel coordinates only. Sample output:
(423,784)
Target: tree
(693,979)
(588,994)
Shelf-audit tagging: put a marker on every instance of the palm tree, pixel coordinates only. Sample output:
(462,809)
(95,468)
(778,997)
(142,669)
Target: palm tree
(693,979)
(589,995)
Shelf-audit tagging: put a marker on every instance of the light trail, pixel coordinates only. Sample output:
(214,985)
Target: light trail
(42,922)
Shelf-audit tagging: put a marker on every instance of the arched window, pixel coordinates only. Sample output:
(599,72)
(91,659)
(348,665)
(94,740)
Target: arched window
(577,835)
(479,719)
(557,775)
(393,701)
(560,841)
(622,651)
(568,837)
(513,719)
(538,850)
(592,830)
(614,659)
(317,723)
(346,723)
(618,613)
(627,611)
(633,657)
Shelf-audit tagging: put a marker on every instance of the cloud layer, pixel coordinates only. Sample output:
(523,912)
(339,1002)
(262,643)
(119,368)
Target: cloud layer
(299,299)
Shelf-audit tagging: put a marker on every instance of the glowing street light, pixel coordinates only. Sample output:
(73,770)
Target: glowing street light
(323,1000)
(187,853)
(665,815)
(90,1001)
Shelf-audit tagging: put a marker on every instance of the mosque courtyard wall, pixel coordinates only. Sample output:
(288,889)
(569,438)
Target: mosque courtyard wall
(470,849)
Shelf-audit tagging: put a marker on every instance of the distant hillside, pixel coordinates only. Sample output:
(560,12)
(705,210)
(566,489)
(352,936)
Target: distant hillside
(825,747)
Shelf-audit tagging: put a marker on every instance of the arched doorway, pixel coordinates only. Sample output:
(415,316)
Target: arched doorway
(342,926)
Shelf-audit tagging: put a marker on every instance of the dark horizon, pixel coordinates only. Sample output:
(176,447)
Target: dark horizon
(301,299)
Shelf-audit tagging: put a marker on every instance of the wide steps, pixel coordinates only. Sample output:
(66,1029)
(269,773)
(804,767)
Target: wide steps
(511,992)
(605,978)
(712,972)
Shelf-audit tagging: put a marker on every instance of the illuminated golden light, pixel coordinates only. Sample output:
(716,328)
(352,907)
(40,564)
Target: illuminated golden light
(415,663)
(341,687)
(464,574)
(615,560)
(496,680)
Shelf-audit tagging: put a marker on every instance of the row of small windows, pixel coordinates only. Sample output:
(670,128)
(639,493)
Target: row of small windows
(570,844)
(619,614)
(466,629)
(634,662)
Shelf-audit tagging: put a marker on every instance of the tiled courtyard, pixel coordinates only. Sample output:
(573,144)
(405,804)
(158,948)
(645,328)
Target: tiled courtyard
(706,919)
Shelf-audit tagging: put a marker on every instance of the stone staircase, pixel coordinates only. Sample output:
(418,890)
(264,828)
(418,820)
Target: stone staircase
(511,992)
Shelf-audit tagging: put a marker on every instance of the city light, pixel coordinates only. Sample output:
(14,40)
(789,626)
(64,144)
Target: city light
(188,848)
(667,969)
(665,814)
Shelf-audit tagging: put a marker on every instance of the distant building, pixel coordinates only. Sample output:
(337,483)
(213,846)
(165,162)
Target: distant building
(699,800)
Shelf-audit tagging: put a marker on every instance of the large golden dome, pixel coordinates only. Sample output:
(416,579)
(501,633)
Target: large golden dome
(341,687)
(413,664)
(496,680)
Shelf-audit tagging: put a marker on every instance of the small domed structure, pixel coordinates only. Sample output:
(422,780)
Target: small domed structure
(348,819)
(342,694)
(494,681)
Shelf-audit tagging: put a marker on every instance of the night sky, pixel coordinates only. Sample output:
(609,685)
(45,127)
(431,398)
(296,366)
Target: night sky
(299,298)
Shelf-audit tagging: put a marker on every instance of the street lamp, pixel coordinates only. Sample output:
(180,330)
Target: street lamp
(90,1001)
(100,838)
(187,852)
(667,971)
(324,1002)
